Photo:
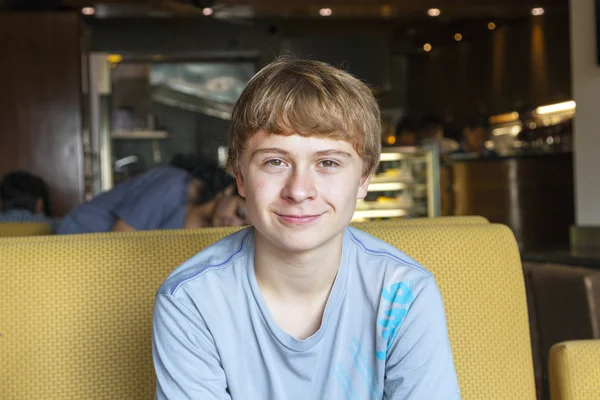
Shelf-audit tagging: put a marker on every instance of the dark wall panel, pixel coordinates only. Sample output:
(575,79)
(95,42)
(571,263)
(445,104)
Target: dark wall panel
(518,66)
(40,101)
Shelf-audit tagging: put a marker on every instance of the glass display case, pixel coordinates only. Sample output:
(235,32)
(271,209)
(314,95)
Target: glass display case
(406,185)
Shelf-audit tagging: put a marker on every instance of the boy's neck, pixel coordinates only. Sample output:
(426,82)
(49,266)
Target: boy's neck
(292,275)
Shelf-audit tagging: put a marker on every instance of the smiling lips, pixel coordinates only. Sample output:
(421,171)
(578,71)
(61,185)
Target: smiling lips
(293,219)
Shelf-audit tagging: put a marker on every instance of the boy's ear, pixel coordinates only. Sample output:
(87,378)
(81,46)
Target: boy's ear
(364,185)
(239,181)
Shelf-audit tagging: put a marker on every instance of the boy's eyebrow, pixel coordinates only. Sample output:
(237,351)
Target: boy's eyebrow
(322,153)
(340,153)
(268,150)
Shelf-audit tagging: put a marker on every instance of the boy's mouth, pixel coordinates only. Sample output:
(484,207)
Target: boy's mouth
(298,219)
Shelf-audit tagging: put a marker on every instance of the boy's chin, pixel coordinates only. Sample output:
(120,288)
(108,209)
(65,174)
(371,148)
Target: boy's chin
(302,241)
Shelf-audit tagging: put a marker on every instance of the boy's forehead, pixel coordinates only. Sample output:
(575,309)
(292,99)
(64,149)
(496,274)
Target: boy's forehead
(295,142)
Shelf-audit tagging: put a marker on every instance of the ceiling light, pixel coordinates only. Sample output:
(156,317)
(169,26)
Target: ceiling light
(386,10)
(434,12)
(458,37)
(207,11)
(537,11)
(325,12)
(491,26)
(427,47)
(88,11)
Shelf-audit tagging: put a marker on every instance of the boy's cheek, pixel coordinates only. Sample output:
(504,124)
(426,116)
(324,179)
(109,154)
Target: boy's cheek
(260,187)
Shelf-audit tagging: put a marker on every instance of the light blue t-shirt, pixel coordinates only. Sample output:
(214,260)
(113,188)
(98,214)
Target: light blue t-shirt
(383,333)
(156,199)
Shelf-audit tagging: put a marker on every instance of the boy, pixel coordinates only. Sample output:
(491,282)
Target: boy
(301,306)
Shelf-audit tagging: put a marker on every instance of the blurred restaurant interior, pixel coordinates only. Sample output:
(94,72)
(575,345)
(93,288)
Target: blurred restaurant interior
(132,83)
(95,92)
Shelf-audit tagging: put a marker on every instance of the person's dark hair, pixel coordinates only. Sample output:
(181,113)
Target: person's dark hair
(428,125)
(214,178)
(430,122)
(477,121)
(406,124)
(21,190)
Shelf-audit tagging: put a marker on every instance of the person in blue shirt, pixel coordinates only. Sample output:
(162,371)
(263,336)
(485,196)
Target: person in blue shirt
(302,306)
(182,195)
(24,197)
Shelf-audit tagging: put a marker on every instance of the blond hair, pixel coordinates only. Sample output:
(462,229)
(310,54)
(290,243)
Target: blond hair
(292,96)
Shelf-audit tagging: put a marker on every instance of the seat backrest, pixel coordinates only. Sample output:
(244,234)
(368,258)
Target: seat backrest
(13,229)
(568,302)
(574,370)
(445,220)
(567,305)
(76,310)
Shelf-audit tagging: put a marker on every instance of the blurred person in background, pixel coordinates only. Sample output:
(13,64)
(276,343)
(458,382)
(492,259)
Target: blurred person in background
(24,198)
(229,208)
(431,132)
(430,129)
(187,194)
(406,132)
(475,134)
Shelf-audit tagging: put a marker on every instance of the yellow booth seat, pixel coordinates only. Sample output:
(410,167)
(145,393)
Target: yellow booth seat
(445,220)
(76,310)
(12,229)
(575,370)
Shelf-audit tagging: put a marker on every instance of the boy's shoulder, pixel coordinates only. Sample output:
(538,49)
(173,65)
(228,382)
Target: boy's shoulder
(387,275)
(218,257)
(378,253)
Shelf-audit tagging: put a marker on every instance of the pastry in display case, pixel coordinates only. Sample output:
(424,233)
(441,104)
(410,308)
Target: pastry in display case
(406,185)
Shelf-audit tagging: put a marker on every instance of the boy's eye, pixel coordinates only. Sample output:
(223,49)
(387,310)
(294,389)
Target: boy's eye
(329,164)
(274,163)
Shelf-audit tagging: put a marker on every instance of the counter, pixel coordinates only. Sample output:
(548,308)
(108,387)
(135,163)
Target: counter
(532,194)
(588,259)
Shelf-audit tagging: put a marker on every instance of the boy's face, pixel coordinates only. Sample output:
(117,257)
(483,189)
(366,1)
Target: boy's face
(300,191)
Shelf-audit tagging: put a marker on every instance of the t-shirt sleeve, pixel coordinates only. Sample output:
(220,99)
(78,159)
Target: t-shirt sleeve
(186,360)
(419,363)
(149,203)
